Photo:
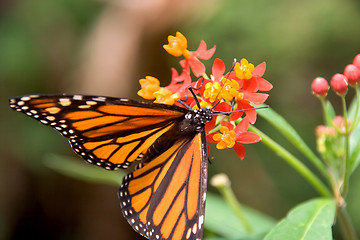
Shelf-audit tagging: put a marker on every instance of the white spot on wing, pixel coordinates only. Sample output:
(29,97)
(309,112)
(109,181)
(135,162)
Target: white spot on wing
(101,99)
(201,221)
(84,106)
(194,229)
(64,102)
(77,97)
(188,233)
(90,102)
(26,98)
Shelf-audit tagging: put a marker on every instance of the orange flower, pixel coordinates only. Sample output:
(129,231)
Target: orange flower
(230,89)
(225,139)
(202,105)
(149,85)
(212,91)
(166,96)
(177,45)
(244,69)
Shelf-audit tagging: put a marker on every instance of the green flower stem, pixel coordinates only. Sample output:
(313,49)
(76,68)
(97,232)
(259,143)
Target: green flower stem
(205,76)
(290,133)
(346,226)
(229,196)
(294,162)
(327,117)
(347,151)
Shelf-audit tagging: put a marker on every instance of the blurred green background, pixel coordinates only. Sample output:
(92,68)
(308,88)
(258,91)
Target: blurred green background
(104,47)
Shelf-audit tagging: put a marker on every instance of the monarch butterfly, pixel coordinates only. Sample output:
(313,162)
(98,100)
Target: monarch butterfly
(164,197)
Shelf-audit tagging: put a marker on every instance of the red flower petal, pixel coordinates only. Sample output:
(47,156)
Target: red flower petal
(227,124)
(248,138)
(236,115)
(251,114)
(259,69)
(223,107)
(202,53)
(211,124)
(197,67)
(256,98)
(218,69)
(242,126)
(209,138)
(239,150)
(263,85)
(250,85)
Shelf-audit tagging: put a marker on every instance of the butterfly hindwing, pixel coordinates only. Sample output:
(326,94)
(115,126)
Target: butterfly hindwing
(109,132)
(165,198)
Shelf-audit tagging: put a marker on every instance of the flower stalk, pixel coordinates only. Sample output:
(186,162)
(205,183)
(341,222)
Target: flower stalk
(222,183)
(347,170)
(294,162)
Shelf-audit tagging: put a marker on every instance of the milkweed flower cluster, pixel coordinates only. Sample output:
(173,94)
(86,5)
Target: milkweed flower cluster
(235,91)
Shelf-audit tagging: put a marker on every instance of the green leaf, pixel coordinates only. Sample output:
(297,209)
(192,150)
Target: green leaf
(354,137)
(310,220)
(221,220)
(330,111)
(352,108)
(355,148)
(244,238)
(77,168)
(290,133)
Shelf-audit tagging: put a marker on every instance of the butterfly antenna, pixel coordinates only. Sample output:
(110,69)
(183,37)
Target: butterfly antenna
(202,82)
(182,101)
(242,110)
(195,97)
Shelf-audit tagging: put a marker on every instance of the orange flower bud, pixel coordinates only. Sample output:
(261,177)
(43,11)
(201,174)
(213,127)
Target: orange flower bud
(177,45)
(166,96)
(149,85)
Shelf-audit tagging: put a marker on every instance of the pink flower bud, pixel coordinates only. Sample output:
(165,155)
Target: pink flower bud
(352,73)
(320,86)
(339,83)
(356,61)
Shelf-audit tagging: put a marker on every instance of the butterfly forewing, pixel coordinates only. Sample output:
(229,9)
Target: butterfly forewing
(109,132)
(165,199)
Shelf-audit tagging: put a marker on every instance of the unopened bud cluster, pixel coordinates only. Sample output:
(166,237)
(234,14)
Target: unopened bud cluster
(339,82)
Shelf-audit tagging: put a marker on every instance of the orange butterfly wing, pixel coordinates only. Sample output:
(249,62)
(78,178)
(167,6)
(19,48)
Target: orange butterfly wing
(108,132)
(165,198)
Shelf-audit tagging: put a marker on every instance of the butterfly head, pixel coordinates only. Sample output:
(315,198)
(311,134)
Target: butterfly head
(199,117)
